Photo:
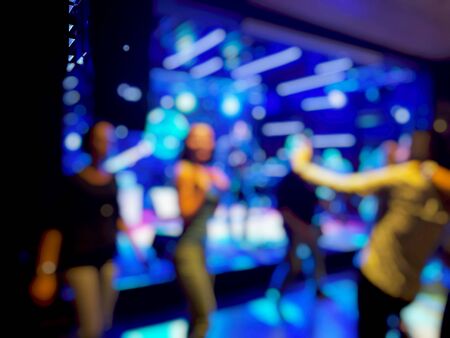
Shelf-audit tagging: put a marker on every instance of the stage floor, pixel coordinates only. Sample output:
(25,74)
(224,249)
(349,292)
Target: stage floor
(303,315)
(235,242)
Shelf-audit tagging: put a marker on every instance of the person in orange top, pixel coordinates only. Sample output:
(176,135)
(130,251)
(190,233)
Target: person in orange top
(199,187)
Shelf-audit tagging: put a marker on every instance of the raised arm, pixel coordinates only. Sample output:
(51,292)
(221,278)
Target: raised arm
(357,183)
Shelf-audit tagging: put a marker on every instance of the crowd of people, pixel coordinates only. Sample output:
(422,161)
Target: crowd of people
(80,244)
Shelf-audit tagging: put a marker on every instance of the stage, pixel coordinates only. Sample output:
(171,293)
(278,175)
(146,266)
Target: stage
(301,315)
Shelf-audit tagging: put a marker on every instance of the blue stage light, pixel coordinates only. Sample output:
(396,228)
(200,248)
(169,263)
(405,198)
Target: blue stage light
(231,106)
(401,114)
(72,141)
(70,82)
(71,97)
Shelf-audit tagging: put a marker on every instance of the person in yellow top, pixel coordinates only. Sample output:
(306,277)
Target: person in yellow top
(404,238)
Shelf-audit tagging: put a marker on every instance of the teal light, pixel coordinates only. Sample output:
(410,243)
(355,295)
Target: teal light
(242,263)
(231,49)
(368,121)
(293,142)
(293,314)
(433,272)
(273,294)
(372,94)
(184,36)
(173,329)
(350,85)
(303,251)
(166,130)
(344,294)
(393,334)
(265,311)
(368,208)
(126,179)
(332,159)
(360,240)
(325,193)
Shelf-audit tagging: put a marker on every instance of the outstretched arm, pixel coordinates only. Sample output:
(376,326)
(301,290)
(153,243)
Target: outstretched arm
(358,183)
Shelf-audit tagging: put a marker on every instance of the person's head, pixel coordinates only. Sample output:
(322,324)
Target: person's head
(200,143)
(99,140)
(440,149)
(420,146)
(440,154)
(435,147)
(430,145)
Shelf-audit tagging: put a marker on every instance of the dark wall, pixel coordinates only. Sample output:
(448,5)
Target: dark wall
(440,146)
(112,25)
(37,141)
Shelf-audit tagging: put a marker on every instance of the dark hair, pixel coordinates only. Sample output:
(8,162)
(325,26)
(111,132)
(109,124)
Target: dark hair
(440,149)
(430,145)
(187,154)
(420,146)
(86,139)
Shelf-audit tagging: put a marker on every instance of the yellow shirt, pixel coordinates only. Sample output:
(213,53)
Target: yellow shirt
(409,232)
(404,239)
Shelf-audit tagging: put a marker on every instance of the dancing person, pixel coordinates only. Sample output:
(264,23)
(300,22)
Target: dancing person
(82,244)
(199,186)
(404,238)
(297,201)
